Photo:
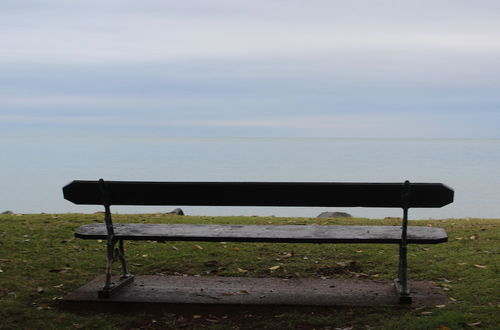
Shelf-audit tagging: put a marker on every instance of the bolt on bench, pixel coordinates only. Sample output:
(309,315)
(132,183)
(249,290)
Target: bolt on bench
(326,194)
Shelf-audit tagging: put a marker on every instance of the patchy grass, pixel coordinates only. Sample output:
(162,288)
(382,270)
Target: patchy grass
(40,261)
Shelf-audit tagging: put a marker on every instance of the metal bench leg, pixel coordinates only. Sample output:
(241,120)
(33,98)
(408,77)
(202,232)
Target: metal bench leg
(121,256)
(112,253)
(111,287)
(110,247)
(401,283)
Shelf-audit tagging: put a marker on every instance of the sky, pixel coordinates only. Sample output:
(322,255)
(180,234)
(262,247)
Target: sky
(224,68)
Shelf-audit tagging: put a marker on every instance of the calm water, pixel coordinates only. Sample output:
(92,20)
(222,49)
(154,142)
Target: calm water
(35,170)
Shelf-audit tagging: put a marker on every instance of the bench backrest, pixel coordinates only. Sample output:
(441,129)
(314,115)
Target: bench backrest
(331,194)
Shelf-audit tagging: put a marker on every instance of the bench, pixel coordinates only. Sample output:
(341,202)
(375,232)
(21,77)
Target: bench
(309,194)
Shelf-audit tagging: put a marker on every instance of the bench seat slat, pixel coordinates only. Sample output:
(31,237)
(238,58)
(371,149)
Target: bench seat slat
(259,233)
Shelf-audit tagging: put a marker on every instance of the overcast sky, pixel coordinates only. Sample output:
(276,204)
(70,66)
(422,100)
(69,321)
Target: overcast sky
(250,68)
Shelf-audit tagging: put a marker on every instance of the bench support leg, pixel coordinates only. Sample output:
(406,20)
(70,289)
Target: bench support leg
(113,253)
(121,256)
(126,278)
(110,246)
(401,283)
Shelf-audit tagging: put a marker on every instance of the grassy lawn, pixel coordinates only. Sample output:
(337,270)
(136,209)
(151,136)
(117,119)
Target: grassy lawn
(40,262)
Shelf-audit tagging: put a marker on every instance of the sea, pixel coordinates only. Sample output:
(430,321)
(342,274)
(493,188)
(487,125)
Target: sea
(35,169)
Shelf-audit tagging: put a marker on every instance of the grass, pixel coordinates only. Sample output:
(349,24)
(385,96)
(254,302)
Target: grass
(40,262)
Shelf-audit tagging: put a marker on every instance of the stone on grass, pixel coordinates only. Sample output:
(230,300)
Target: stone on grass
(177,211)
(334,215)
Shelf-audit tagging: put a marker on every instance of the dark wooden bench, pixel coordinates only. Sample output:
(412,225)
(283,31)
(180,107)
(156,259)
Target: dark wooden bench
(318,194)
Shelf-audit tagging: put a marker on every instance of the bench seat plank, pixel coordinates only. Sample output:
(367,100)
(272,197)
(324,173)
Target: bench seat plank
(259,233)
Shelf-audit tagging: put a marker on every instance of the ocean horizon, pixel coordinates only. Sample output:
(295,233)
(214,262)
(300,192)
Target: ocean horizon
(36,168)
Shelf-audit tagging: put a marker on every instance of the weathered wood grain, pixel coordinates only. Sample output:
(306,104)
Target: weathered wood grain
(259,233)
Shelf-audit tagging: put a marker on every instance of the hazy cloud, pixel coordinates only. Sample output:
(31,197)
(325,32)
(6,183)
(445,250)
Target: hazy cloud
(312,67)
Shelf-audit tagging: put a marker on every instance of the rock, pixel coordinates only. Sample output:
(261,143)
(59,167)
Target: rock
(177,211)
(334,215)
(7,212)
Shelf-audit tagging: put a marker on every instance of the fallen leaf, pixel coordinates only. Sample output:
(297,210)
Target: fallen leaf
(175,248)
(426,313)
(144,255)
(462,263)
(196,316)
(359,274)
(274,267)
(240,270)
(58,286)
(440,306)
(198,247)
(227,293)
(237,249)
(40,289)
(453,299)
(474,324)
(473,237)
(212,319)
(1,271)
(459,238)
(480,266)
(243,292)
